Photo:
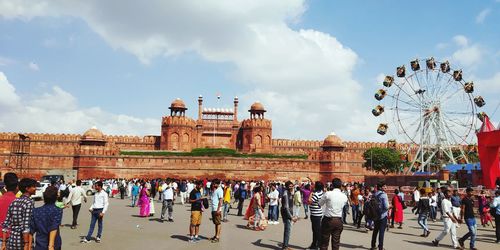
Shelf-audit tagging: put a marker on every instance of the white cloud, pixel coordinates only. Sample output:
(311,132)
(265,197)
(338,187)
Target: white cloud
(489,86)
(4,61)
(482,15)
(467,54)
(57,111)
(304,77)
(33,66)
(461,40)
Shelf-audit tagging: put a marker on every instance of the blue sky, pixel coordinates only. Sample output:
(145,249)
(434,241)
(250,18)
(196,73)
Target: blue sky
(69,65)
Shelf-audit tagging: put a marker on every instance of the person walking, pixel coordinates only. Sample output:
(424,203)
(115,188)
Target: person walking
(380,223)
(168,199)
(18,218)
(46,221)
(287,213)
(423,209)
(75,197)
(316,214)
(297,202)
(144,204)
(11,185)
(333,203)
(434,207)
(397,210)
(353,197)
(196,201)
(467,215)
(449,221)
(98,209)
(241,197)
(216,196)
(226,201)
(273,197)
(306,195)
(135,193)
(496,206)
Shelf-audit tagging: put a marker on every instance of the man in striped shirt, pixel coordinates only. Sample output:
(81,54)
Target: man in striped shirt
(316,214)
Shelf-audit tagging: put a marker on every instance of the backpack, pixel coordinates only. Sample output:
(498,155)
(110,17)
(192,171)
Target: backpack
(372,209)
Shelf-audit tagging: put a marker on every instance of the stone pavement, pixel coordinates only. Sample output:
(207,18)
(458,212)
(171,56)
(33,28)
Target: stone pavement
(123,229)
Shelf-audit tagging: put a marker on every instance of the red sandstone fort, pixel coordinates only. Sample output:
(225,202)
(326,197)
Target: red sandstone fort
(94,154)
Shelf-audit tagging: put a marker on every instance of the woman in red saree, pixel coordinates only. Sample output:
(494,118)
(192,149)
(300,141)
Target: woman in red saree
(397,205)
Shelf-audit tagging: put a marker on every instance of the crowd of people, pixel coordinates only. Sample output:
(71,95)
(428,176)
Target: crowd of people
(326,205)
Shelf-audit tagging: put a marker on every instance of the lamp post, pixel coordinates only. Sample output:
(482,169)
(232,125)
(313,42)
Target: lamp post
(6,163)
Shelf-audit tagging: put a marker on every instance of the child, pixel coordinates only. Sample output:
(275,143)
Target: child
(487,214)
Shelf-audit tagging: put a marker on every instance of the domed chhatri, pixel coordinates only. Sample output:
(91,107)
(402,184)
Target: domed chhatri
(93,134)
(178,104)
(257,106)
(332,141)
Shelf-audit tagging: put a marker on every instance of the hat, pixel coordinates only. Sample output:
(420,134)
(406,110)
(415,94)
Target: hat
(242,182)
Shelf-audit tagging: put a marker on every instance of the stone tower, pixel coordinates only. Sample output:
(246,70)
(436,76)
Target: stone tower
(177,130)
(256,132)
(332,159)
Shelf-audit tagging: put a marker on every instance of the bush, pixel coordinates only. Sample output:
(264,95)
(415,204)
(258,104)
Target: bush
(212,152)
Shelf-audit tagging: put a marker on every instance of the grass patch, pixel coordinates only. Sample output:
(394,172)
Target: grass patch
(212,152)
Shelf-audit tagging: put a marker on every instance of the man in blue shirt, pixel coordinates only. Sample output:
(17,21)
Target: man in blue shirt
(217,196)
(135,193)
(46,221)
(381,223)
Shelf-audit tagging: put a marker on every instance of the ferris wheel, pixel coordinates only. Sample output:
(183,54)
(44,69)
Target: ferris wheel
(432,108)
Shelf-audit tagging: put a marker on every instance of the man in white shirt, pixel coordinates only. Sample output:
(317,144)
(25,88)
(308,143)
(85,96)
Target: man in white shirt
(333,202)
(217,197)
(450,221)
(98,209)
(273,205)
(76,195)
(168,199)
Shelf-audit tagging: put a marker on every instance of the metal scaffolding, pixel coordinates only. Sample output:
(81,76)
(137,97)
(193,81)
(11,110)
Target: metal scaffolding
(19,153)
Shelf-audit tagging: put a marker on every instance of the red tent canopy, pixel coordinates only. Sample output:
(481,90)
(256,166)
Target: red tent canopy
(489,152)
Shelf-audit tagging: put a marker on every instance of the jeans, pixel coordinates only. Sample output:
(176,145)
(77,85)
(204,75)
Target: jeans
(449,227)
(76,211)
(95,217)
(379,229)
(287,232)
(345,210)
(497,226)
(225,210)
(134,200)
(306,209)
(422,221)
(273,213)
(355,210)
(471,224)
(240,206)
(167,205)
(360,217)
(433,212)
(316,229)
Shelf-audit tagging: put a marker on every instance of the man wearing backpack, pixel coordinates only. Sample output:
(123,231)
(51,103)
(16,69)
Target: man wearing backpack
(379,205)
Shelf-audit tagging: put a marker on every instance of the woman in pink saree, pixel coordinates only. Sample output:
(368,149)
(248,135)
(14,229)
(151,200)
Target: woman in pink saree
(144,201)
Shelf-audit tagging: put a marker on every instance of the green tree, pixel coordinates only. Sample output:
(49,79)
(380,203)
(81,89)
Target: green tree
(382,160)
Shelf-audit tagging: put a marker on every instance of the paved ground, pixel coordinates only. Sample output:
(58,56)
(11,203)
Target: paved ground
(124,230)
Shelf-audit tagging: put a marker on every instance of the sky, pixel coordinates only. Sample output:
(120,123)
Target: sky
(66,66)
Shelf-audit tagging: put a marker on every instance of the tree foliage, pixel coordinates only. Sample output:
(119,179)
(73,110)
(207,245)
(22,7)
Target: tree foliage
(383,160)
